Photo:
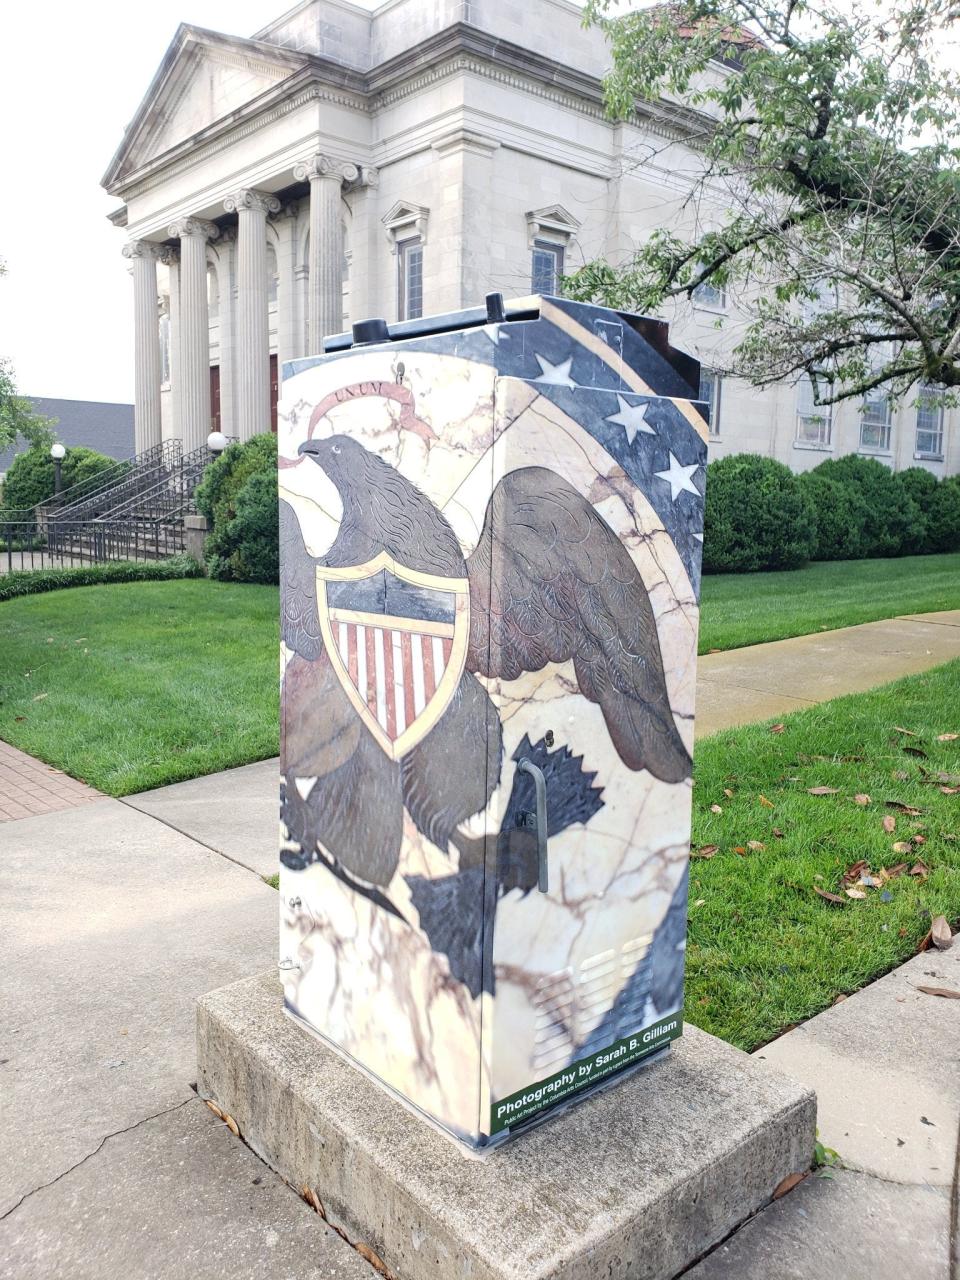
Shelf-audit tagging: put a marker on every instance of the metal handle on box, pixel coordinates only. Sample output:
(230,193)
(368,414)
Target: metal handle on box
(540,783)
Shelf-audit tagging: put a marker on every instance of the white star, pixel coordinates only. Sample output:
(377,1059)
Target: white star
(632,418)
(678,478)
(555,375)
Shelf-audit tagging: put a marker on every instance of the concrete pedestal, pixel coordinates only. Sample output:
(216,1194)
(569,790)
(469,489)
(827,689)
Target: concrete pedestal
(634,1183)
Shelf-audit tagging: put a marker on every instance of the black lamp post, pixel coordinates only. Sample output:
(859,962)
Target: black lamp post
(57,453)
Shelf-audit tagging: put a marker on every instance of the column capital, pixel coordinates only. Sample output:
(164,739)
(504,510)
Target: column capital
(184,227)
(320,166)
(367,176)
(169,255)
(285,211)
(247,198)
(142,249)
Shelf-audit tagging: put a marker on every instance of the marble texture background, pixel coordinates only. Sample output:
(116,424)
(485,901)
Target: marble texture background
(366,980)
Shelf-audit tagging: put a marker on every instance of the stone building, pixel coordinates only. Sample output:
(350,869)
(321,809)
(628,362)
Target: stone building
(345,163)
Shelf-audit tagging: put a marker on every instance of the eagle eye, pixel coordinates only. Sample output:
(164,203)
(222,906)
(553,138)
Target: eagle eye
(334,448)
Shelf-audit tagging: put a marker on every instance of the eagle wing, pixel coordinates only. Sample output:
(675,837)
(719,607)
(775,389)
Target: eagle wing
(299,620)
(551,582)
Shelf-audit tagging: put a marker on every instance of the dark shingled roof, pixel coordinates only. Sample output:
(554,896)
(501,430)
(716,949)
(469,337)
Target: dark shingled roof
(108,428)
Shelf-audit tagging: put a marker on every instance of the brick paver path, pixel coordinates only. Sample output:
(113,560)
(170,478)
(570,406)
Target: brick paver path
(29,786)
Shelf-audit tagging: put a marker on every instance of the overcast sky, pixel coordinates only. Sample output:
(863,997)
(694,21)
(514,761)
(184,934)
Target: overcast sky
(73,75)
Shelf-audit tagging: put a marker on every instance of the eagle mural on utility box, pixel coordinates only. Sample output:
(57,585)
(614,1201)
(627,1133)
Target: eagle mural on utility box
(389,631)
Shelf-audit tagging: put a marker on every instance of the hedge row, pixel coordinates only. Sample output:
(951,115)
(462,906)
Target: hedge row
(759,515)
(27,582)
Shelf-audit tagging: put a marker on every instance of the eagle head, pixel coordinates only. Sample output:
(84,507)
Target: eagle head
(339,456)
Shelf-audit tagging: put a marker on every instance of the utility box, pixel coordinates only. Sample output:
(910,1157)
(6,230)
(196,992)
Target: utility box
(491,533)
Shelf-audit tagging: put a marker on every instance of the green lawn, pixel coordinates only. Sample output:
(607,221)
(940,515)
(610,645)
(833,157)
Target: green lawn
(132,685)
(764,950)
(749,608)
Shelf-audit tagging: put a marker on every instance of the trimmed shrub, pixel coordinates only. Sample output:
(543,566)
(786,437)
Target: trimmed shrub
(29,582)
(238,496)
(943,516)
(895,524)
(758,516)
(842,516)
(920,485)
(31,476)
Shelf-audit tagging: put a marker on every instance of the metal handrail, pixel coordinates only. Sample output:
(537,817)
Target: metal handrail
(104,486)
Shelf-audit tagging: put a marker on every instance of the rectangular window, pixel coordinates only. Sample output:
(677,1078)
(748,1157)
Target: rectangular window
(875,420)
(929,443)
(410,279)
(546,267)
(814,421)
(710,386)
(713,297)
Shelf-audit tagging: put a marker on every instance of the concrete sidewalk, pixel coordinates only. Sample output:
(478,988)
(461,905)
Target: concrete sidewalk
(111,925)
(741,686)
(883,1064)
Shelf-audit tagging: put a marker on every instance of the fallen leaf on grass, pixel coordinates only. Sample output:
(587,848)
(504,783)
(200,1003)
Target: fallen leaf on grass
(908,732)
(950,791)
(755,845)
(902,846)
(741,849)
(918,839)
(767,804)
(945,992)
(854,872)
(947,737)
(861,798)
(854,893)
(777,728)
(823,791)
(900,775)
(705,851)
(830,897)
(778,833)
(919,869)
(39,697)
(891,873)
(889,824)
(915,751)
(790,1181)
(901,807)
(728,793)
(700,902)
(940,934)
(715,808)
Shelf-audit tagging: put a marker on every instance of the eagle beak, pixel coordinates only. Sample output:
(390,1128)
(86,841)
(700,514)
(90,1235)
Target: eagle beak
(311,447)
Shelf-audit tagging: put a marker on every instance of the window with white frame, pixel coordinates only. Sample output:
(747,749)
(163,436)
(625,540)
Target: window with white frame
(710,296)
(546,267)
(710,390)
(410,278)
(814,421)
(876,419)
(929,441)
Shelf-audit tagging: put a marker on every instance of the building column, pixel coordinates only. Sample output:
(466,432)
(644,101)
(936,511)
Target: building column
(193,393)
(253,347)
(171,260)
(287,345)
(146,331)
(227,276)
(326,177)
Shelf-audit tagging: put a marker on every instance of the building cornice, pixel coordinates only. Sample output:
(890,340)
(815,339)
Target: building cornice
(459,48)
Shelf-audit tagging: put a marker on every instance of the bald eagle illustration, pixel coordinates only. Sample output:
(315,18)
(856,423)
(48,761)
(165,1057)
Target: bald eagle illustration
(382,702)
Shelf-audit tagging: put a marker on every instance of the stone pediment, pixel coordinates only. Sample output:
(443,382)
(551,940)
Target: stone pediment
(204,77)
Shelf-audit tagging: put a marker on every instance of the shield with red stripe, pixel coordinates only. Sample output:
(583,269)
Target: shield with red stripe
(397,639)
